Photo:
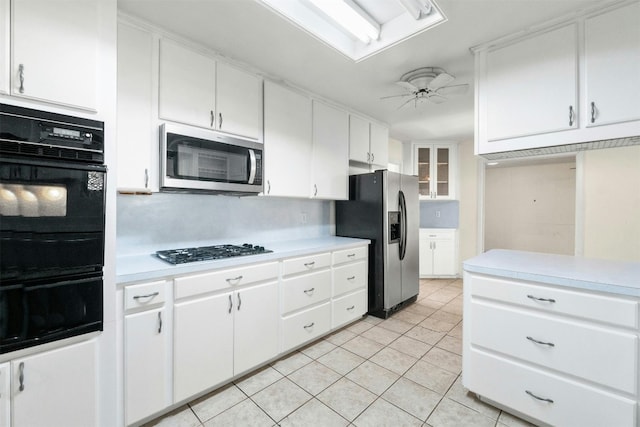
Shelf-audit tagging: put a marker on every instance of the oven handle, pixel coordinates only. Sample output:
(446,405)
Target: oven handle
(253,166)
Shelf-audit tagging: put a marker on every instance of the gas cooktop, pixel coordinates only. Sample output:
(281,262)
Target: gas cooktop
(207,253)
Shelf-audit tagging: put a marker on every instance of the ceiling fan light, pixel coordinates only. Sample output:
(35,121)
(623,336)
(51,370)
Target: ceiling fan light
(350,17)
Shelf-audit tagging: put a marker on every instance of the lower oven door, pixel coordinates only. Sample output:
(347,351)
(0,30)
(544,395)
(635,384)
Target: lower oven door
(42,311)
(51,218)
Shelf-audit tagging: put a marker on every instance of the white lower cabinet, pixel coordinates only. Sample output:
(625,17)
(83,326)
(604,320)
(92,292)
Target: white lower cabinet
(556,355)
(56,388)
(348,308)
(203,344)
(5,394)
(437,252)
(305,326)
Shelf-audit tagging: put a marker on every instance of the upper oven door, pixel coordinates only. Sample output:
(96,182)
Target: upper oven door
(51,218)
(203,160)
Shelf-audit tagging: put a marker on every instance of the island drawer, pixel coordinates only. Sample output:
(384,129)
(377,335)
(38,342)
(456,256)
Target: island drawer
(221,279)
(305,290)
(595,307)
(522,388)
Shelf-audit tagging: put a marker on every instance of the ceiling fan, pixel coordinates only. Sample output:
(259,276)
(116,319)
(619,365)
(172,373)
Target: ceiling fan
(428,84)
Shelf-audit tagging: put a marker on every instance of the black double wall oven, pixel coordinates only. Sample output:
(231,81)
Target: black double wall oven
(52,217)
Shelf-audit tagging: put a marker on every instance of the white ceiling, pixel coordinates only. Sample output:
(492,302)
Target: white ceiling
(250,33)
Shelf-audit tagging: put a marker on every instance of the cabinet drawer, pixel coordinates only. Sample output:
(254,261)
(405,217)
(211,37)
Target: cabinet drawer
(306,263)
(144,295)
(218,280)
(349,277)
(597,354)
(437,234)
(348,308)
(349,255)
(305,326)
(616,311)
(305,290)
(574,404)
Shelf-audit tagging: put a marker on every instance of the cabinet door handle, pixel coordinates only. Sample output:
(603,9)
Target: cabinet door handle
(159,322)
(234,279)
(219,120)
(551,300)
(593,112)
(268,187)
(213,117)
(309,291)
(310,325)
(21,377)
(239,301)
(550,344)
(351,308)
(309,264)
(146,178)
(151,295)
(373,157)
(544,399)
(315,190)
(230,304)
(21,76)
(570,115)
(368,157)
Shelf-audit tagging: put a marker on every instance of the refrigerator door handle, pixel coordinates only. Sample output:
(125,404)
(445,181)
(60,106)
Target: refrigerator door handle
(403,225)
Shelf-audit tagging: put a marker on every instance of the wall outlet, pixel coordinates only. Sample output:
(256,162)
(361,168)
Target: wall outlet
(437,214)
(303,217)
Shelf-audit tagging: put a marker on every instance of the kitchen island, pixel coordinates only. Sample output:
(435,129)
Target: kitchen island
(553,338)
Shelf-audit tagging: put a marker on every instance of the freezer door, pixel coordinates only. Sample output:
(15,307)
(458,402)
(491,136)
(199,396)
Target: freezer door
(393,270)
(411,261)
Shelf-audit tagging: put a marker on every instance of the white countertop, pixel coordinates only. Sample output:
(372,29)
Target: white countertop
(617,277)
(146,266)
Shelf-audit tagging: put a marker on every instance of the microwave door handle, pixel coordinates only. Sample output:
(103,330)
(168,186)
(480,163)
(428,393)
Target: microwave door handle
(253,164)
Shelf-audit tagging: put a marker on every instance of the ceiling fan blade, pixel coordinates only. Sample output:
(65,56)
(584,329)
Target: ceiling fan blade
(396,96)
(406,102)
(440,80)
(436,99)
(407,86)
(453,90)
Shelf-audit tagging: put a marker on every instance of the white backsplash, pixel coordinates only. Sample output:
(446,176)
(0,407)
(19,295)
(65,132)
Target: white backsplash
(165,221)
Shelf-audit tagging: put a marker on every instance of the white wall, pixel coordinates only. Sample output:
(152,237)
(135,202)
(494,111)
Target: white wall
(468,168)
(395,155)
(531,207)
(611,191)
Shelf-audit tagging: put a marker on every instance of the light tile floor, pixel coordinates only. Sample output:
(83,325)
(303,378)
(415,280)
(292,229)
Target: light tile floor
(403,371)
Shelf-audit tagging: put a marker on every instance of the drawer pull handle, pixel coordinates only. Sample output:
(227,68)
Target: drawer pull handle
(351,308)
(351,255)
(544,399)
(152,295)
(550,344)
(541,299)
(310,325)
(234,279)
(309,264)
(351,278)
(309,291)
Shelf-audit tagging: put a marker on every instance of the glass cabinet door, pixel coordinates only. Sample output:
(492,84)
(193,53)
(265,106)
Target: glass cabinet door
(442,172)
(424,171)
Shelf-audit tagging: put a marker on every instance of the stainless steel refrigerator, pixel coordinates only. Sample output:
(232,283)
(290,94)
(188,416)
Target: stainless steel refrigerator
(383,207)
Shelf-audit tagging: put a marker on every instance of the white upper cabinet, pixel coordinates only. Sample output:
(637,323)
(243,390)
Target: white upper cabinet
(330,157)
(436,168)
(135,134)
(4,46)
(54,51)
(239,102)
(187,85)
(531,85)
(287,140)
(359,139)
(379,145)
(197,91)
(368,142)
(612,58)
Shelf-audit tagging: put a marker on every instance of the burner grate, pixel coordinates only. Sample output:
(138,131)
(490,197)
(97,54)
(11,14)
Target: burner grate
(208,253)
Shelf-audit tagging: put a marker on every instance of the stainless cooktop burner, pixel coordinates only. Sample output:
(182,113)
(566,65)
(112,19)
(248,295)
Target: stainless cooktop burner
(207,253)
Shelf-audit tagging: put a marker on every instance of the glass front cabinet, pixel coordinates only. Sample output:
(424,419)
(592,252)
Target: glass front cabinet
(435,166)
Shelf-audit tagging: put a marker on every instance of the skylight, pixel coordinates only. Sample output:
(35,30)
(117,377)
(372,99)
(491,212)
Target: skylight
(360,28)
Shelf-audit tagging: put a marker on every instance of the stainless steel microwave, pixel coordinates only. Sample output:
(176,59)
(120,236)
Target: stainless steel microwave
(200,160)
